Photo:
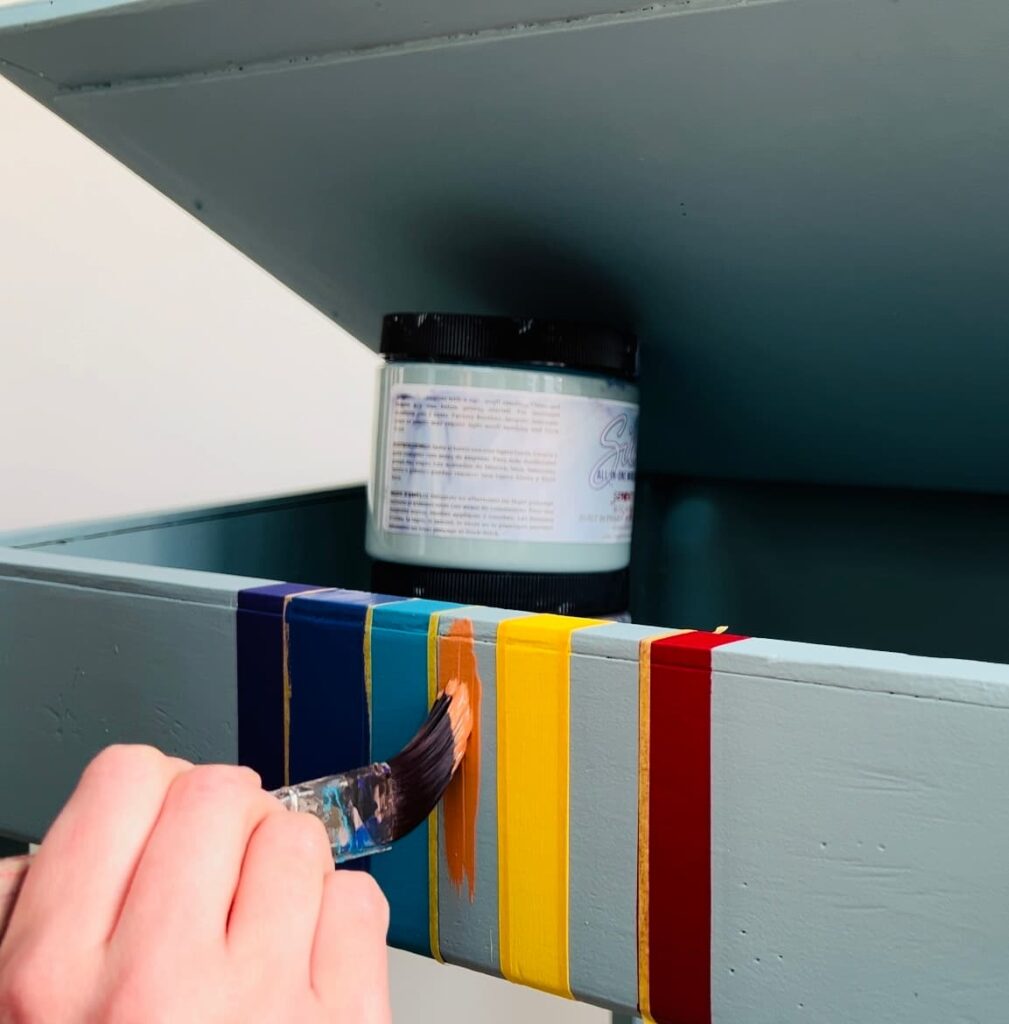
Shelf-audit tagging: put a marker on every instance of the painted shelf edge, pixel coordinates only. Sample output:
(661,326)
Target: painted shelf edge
(658,731)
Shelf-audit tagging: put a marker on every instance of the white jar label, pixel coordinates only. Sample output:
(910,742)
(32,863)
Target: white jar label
(497,464)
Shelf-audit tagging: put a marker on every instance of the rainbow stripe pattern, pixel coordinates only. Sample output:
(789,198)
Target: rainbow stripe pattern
(591,876)
(708,828)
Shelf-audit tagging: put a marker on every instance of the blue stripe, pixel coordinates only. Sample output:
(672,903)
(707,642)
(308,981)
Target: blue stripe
(260,666)
(329,709)
(399,707)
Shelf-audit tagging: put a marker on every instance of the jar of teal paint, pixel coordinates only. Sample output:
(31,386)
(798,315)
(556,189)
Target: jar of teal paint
(504,461)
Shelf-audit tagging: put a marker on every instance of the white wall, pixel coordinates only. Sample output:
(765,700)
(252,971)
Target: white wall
(144,365)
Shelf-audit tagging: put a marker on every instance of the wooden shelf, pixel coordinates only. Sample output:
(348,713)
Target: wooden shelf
(821,828)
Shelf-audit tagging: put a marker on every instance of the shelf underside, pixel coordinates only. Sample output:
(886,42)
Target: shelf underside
(799,205)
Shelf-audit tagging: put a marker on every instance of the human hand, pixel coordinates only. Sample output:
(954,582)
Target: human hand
(166,892)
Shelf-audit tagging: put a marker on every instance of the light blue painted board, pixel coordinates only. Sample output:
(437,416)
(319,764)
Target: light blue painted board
(973,682)
(815,169)
(127,578)
(469,931)
(617,640)
(84,664)
(603,838)
(859,842)
(399,705)
(145,39)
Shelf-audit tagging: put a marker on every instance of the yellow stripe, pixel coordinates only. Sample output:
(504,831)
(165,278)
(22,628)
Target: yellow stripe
(369,616)
(533,723)
(432,824)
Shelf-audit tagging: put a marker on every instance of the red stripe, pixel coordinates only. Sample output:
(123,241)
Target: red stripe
(679,814)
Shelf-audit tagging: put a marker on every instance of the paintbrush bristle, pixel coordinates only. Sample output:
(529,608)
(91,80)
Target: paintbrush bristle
(461,716)
(421,771)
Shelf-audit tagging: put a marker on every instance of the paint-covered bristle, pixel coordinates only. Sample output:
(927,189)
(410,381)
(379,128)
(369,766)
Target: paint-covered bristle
(422,770)
(366,810)
(460,712)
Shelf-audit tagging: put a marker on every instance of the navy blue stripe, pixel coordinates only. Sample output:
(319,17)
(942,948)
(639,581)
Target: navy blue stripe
(260,651)
(330,730)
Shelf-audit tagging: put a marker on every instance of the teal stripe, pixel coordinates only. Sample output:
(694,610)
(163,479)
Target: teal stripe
(399,706)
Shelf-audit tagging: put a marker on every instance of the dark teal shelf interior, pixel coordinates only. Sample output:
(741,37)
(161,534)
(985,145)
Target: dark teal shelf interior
(921,573)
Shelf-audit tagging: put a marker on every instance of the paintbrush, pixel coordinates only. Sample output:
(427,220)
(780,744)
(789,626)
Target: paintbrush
(365,810)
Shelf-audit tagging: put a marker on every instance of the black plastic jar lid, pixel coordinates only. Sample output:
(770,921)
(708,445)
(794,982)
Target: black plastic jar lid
(462,338)
(579,593)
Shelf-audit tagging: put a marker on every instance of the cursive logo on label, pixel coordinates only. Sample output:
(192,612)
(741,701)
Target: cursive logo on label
(620,452)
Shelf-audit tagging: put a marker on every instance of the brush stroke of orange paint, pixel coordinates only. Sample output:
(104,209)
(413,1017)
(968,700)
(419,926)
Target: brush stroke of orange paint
(457,660)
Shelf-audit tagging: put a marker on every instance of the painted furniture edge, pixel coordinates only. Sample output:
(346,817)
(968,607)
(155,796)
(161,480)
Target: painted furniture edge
(63,533)
(21,15)
(694,659)
(95,652)
(124,577)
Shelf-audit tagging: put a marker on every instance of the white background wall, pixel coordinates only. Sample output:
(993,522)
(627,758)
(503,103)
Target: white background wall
(146,365)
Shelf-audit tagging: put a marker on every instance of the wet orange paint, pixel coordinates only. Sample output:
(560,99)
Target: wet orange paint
(457,660)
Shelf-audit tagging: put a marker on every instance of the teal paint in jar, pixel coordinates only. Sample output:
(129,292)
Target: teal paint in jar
(504,461)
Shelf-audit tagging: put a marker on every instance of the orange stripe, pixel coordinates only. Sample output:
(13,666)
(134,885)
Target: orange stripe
(457,660)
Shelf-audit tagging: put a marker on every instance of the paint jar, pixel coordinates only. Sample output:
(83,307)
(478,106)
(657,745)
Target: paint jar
(503,469)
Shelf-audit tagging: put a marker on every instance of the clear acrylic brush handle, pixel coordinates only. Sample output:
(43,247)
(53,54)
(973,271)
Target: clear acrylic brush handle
(356,808)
